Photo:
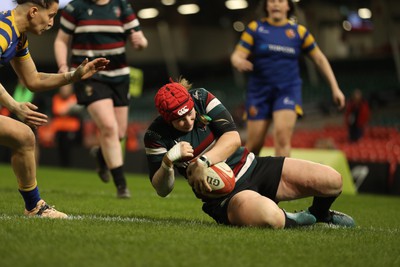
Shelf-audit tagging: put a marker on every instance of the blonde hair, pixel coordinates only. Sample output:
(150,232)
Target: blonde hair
(184,82)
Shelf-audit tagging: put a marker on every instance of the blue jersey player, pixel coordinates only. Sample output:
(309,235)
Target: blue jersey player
(269,49)
(34,16)
(195,130)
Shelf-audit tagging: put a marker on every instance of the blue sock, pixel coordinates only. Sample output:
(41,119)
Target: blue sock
(31,198)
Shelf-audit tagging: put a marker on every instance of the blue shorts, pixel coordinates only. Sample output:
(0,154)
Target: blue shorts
(263,100)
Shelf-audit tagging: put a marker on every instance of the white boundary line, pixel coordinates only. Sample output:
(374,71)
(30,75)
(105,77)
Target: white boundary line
(83,217)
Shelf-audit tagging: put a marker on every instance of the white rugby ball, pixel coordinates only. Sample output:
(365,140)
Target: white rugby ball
(221,179)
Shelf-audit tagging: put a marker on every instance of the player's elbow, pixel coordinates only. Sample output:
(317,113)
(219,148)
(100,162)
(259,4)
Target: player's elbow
(235,140)
(163,192)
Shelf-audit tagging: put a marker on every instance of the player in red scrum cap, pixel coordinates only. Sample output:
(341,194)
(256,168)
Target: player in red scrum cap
(195,130)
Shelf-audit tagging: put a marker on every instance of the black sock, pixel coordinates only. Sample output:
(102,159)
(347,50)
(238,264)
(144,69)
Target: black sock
(100,157)
(320,207)
(289,223)
(118,177)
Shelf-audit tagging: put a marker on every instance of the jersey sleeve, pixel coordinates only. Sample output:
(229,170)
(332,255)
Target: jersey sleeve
(68,19)
(6,43)
(221,120)
(246,41)
(129,18)
(308,41)
(22,48)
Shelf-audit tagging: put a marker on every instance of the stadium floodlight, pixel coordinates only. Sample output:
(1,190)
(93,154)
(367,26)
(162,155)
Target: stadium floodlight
(364,13)
(188,9)
(148,13)
(236,4)
(168,2)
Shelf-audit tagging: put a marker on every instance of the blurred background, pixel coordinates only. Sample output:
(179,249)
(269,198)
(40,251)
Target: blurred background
(194,38)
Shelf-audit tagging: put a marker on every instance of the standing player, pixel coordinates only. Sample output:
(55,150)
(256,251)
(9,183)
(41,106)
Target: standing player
(34,16)
(195,130)
(274,45)
(94,28)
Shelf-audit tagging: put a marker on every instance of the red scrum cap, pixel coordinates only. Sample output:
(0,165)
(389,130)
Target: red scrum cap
(173,101)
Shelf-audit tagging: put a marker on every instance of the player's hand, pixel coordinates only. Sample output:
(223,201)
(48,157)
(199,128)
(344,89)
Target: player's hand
(138,40)
(240,62)
(180,151)
(27,114)
(88,69)
(244,65)
(339,99)
(197,177)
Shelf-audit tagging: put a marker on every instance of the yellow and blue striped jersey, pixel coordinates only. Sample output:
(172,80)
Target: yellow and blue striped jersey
(275,49)
(13,44)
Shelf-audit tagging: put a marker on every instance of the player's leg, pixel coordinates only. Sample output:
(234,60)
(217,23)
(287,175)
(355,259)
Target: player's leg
(21,140)
(249,208)
(301,178)
(121,114)
(284,123)
(102,113)
(256,132)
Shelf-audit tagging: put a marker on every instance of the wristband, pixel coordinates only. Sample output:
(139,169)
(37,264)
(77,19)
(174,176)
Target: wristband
(204,159)
(174,153)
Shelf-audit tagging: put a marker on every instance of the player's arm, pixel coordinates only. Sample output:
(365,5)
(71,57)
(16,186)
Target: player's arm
(325,69)
(163,179)
(40,81)
(228,141)
(138,40)
(61,48)
(239,60)
(24,111)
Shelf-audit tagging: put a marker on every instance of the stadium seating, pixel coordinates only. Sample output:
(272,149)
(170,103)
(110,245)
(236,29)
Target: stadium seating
(379,144)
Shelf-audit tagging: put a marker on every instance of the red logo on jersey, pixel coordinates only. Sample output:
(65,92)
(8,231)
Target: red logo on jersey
(117,11)
(290,33)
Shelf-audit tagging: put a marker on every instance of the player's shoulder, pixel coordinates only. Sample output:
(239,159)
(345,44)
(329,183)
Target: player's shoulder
(292,23)
(254,24)
(201,96)
(5,17)
(77,5)
(156,130)
(198,93)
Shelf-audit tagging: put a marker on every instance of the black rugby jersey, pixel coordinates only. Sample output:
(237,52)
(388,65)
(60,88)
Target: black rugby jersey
(100,31)
(161,136)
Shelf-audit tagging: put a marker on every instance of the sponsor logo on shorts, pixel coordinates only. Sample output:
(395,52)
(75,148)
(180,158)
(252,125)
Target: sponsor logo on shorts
(89,90)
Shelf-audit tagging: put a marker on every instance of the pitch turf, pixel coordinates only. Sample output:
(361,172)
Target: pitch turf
(151,231)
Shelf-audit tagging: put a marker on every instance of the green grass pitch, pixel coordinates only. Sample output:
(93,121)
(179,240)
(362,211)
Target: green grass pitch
(147,230)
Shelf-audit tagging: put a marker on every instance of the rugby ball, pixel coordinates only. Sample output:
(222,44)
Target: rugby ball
(221,179)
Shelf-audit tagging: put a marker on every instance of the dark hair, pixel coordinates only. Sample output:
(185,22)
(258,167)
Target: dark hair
(290,12)
(43,3)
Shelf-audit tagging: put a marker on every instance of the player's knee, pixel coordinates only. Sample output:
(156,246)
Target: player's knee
(335,182)
(26,139)
(109,130)
(254,210)
(274,219)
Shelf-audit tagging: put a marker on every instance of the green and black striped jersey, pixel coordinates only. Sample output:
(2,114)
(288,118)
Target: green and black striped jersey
(161,136)
(100,31)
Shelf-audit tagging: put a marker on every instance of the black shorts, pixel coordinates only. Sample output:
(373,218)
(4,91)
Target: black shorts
(90,91)
(264,180)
